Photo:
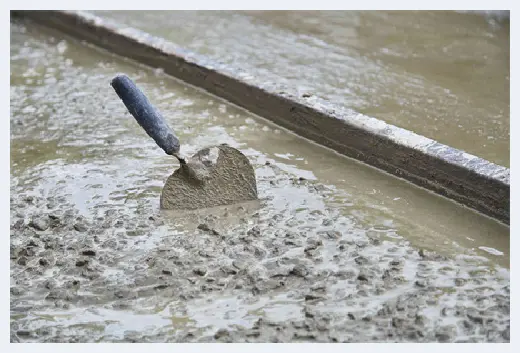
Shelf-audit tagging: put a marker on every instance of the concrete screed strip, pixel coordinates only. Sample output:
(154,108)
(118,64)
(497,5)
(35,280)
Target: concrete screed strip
(467,179)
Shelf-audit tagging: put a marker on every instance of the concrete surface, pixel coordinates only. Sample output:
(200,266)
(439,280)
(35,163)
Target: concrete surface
(465,178)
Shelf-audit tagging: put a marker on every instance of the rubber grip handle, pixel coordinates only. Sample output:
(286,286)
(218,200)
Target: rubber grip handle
(145,113)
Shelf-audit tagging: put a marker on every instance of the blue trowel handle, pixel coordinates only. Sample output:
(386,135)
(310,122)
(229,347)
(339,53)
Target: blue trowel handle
(146,115)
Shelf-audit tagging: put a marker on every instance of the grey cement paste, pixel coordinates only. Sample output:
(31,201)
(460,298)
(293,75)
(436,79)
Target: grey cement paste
(447,171)
(333,250)
(214,176)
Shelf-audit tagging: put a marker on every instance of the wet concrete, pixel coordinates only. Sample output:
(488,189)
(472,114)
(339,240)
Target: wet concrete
(444,75)
(470,180)
(332,251)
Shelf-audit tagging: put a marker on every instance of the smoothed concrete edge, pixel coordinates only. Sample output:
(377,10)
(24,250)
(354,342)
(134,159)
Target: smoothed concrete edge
(467,179)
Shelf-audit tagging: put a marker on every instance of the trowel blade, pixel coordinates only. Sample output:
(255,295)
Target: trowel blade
(214,176)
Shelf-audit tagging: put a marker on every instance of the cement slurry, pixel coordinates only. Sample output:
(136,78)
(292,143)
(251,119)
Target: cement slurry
(470,180)
(332,251)
(440,74)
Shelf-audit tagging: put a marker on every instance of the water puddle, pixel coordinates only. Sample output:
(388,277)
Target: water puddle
(441,74)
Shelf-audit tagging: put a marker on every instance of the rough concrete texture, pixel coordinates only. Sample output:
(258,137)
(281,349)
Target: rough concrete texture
(214,176)
(465,178)
(94,259)
(268,274)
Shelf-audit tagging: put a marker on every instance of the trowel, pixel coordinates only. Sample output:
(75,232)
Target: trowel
(214,176)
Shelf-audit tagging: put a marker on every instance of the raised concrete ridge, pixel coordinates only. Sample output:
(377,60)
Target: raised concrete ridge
(467,179)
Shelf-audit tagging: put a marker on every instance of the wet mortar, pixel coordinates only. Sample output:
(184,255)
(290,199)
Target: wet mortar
(441,74)
(333,251)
